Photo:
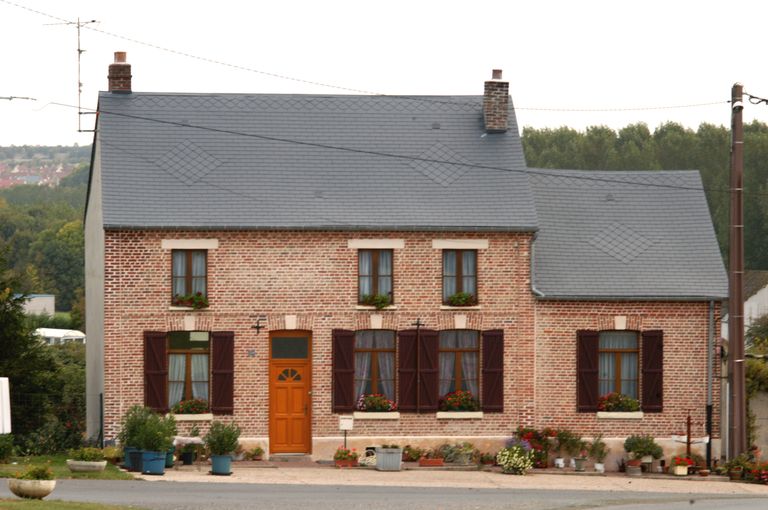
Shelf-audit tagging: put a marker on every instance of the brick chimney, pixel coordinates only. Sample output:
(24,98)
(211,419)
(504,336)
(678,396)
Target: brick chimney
(120,74)
(496,104)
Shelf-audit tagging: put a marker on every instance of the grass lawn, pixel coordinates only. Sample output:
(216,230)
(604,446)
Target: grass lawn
(60,469)
(34,504)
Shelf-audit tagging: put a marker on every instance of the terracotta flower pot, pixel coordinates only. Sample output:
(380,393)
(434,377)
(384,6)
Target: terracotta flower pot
(430,462)
(345,463)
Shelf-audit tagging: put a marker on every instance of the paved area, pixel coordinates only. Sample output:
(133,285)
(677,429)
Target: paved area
(316,474)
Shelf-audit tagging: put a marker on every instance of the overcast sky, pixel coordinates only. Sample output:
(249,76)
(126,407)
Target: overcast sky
(562,55)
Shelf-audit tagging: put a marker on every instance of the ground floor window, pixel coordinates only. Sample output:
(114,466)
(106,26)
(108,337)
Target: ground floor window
(459,361)
(188,372)
(375,363)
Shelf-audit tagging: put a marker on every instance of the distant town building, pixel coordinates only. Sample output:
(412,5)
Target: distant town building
(40,303)
(53,336)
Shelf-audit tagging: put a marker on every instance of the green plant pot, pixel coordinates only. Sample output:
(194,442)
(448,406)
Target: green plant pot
(153,463)
(169,458)
(221,465)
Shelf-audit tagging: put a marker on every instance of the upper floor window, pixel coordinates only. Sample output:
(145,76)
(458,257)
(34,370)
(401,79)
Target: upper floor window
(374,277)
(618,363)
(459,277)
(189,278)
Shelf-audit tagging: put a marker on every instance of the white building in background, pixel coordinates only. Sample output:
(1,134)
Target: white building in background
(53,336)
(40,303)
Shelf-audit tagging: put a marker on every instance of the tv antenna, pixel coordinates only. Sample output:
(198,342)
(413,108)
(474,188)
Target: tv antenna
(79,24)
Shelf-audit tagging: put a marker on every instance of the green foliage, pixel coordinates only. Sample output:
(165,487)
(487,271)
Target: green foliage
(191,406)
(459,400)
(197,300)
(642,445)
(568,442)
(6,448)
(255,453)
(459,452)
(378,300)
(618,402)
(156,433)
(131,424)
(461,299)
(412,453)
(87,454)
(222,438)
(598,450)
(36,473)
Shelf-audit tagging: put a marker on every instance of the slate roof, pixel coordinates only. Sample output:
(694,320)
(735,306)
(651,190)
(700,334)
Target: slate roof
(625,235)
(239,174)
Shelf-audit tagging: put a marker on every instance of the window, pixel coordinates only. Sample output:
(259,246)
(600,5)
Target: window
(623,361)
(459,362)
(188,374)
(619,357)
(374,275)
(375,363)
(459,274)
(189,273)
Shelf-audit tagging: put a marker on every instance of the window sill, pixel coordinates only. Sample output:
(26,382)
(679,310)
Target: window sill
(373,308)
(471,307)
(363,415)
(186,309)
(619,415)
(459,415)
(194,417)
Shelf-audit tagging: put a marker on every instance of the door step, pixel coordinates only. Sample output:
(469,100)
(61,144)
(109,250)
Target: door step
(290,457)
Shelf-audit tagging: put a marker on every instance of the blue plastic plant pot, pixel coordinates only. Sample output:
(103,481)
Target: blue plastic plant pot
(136,463)
(169,458)
(127,457)
(221,464)
(153,463)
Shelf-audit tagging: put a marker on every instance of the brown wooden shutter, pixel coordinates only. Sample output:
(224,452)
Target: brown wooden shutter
(155,371)
(343,353)
(587,356)
(493,371)
(429,371)
(653,371)
(222,372)
(406,371)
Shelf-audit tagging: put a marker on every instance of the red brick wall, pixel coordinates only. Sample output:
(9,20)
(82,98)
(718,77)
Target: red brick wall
(685,327)
(312,275)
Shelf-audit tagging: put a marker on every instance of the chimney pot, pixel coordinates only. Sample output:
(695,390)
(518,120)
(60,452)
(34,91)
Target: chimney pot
(496,104)
(119,76)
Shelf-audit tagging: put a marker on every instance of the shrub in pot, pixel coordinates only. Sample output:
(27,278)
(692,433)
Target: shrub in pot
(130,425)
(155,439)
(640,446)
(598,450)
(35,483)
(85,460)
(221,440)
(389,457)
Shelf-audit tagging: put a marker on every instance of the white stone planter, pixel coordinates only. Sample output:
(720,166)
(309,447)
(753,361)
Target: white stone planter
(559,462)
(618,415)
(194,417)
(459,415)
(362,415)
(599,467)
(680,470)
(35,489)
(85,466)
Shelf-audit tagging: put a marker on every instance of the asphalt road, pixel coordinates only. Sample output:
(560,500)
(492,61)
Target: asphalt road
(193,496)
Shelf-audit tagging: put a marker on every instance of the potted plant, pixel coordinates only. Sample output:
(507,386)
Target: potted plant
(345,457)
(461,299)
(85,460)
(540,442)
(568,443)
(255,453)
(375,403)
(412,453)
(487,459)
(515,459)
(618,402)
(640,448)
(196,300)
(380,301)
(35,483)
(737,466)
(680,465)
(459,400)
(221,440)
(191,406)
(131,423)
(598,450)
(189,450)
(431,458)
(155,439)
(388,457)
(581,457)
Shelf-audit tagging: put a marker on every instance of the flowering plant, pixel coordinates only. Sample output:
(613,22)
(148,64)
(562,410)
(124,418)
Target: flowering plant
(375,402)
(36,473)
(618,402)
(681,460)
(459,400)
(196,300)
(515,460)
(191,406)
(343,453)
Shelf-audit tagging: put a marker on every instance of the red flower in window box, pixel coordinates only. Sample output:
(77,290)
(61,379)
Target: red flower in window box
(197,300)
(375,402)
(459,400)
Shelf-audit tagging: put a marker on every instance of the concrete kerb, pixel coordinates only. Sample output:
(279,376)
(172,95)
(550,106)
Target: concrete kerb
(326,475)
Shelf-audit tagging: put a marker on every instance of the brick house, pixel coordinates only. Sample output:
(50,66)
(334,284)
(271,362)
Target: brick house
(536,290)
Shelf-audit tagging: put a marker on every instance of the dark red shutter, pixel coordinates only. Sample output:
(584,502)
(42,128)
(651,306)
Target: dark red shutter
(406,372)
(587,350)
(343,353)
(222,372)
(653,371)
(429,371)
(155,371)
(493,371)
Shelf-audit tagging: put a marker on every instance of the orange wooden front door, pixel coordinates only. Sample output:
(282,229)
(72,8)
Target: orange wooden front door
(290,385)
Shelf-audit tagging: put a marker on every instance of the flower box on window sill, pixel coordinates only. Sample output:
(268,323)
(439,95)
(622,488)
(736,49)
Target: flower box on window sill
(468,307)
(374,415)
(459,415)
(194,417)
(373,308)
(619,415)
(174,308)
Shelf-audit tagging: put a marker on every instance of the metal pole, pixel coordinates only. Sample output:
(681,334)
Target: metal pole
(738,418)
(710,355)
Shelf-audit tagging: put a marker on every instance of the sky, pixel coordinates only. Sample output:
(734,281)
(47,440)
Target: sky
(565,60)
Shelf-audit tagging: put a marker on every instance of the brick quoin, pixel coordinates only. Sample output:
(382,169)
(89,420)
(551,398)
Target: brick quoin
(313,275)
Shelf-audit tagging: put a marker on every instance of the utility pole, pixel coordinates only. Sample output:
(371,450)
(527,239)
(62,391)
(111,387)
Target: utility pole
(737,398)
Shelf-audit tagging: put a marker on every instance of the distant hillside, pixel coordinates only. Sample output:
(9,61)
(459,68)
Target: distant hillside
(40,165)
